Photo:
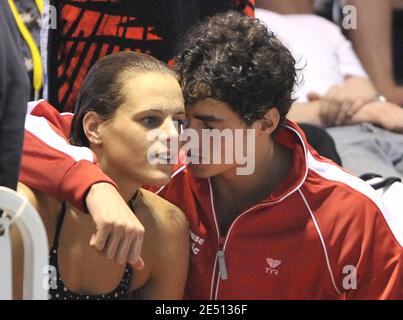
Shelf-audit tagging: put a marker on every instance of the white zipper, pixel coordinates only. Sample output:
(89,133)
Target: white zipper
(222,267)
(220,257)
(218,242)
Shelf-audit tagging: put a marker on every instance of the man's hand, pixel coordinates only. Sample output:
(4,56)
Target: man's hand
(119,233)
(342,101)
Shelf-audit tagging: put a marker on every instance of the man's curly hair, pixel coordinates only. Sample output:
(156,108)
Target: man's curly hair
(233,58)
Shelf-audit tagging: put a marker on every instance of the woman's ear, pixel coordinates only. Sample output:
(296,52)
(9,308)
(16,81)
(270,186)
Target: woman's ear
(269,122)
(91,127)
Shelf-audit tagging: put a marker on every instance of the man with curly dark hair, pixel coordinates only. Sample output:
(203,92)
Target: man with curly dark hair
(251,75)
(297,226)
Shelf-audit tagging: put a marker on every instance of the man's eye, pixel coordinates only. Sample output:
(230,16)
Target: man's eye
(151,122)
(185,123)
(206,126)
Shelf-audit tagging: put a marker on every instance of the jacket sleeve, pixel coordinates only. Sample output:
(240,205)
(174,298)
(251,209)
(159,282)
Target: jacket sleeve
(379,263)
(50,164)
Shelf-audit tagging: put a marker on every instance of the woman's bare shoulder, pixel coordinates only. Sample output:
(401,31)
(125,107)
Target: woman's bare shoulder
(164,212)
(166,235)
(43,203)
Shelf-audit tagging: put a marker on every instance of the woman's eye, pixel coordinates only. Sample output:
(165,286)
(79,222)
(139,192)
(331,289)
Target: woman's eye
(151,122)
(181,124)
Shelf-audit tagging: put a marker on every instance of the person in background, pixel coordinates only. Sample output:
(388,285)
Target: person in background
(373,41)
(316,135)
(336,93)
(14,95)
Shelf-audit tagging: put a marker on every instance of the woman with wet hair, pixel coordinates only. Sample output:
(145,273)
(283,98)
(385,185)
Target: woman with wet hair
(123,98)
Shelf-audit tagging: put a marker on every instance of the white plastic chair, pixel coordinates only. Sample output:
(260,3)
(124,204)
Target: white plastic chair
(18,211)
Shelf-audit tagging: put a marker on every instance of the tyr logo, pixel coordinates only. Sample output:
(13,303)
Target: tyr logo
(272,265)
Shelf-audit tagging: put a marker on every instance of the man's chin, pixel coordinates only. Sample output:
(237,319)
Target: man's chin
(199,170)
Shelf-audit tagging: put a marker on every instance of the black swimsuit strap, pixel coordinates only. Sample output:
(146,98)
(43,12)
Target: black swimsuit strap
(59,225)
(62,292)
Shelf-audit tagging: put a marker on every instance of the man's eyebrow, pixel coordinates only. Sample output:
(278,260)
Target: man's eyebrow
(208,118)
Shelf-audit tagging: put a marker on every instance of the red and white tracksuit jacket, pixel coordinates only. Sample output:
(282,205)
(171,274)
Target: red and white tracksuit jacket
(322,235)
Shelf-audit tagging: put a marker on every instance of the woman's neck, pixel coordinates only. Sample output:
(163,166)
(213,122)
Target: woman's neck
(126,186)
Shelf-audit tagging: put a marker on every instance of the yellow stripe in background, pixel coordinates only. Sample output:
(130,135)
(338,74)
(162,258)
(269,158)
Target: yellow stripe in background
(36,56)
(39,4)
